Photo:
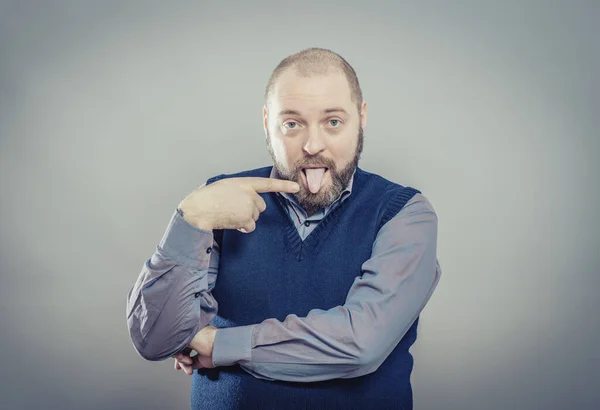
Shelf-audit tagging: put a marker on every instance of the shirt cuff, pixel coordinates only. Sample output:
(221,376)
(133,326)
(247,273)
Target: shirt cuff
(187,244)
(232,345)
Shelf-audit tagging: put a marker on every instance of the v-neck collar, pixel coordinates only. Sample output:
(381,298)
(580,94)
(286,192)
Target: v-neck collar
(309,245)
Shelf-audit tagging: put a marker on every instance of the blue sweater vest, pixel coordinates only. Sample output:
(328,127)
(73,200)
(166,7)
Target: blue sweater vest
(271,273)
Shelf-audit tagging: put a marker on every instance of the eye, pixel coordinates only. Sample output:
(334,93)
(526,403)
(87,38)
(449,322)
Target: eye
(334,123)
(291,125)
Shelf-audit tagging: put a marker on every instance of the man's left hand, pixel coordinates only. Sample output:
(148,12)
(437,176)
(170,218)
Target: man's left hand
(202,343)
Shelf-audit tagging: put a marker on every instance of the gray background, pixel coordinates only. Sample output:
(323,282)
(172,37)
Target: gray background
(111,112)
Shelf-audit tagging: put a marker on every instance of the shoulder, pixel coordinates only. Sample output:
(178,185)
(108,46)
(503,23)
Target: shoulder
(419,204)
(386,189)
(399,200)
(372,179)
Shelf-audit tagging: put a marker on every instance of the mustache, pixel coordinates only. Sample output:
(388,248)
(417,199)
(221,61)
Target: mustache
(313,161)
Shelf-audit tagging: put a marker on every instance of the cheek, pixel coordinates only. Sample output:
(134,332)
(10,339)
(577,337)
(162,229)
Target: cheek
(286,150)
(343,153)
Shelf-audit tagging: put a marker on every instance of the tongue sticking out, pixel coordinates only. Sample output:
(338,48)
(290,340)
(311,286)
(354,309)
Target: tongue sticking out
(314,176)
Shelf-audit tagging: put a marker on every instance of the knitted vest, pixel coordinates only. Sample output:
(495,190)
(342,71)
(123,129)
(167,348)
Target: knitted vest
(272,272)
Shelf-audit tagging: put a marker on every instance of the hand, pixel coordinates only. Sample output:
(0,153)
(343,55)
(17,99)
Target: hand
(184,361)
(202,343)
(231,203)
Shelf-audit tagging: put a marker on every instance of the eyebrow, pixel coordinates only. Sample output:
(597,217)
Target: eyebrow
(325,111)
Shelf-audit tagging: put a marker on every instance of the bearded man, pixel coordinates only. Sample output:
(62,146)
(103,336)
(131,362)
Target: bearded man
(297,285)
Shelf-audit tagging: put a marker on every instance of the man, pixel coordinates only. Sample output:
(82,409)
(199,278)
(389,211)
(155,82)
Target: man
(298,285)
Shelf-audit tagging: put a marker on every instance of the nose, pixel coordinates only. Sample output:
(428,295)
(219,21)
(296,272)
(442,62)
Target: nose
(314,144)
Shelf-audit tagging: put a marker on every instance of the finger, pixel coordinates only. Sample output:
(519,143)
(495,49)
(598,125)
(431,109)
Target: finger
(184,353)
(177,367)
(260,203)
(261,185)
(183,358)
(255,214)
(187,369)
(248,227)
(197,364)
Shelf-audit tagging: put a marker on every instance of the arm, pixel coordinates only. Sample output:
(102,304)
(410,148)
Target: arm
(354,339)
(171,299)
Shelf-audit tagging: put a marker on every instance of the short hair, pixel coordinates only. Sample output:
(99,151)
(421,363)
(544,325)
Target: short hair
(316,60)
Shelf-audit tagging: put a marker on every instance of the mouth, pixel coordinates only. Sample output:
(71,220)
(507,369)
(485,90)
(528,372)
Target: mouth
(314,167)
(314,176)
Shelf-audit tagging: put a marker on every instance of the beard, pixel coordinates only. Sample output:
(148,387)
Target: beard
(326,195)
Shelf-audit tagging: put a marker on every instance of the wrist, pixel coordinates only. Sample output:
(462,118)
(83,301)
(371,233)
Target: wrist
(233,345)
(212,337)
(203,342)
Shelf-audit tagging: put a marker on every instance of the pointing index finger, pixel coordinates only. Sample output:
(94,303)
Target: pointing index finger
(261,185)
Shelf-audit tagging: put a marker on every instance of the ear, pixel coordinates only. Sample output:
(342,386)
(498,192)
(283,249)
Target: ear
(265,120)
(363,115)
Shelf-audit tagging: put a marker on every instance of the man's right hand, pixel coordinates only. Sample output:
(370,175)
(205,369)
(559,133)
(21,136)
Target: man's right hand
(231,203)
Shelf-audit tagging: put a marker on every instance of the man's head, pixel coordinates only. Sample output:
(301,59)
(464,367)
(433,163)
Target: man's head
(314,118)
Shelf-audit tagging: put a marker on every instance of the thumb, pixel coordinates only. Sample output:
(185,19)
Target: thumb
(183,359)
(184,356)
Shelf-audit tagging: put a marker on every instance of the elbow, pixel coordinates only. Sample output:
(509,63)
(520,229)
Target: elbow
(155,347)
(157,337)
(149,355)
(148,351)
(367,363)
(367,359)
(145,347)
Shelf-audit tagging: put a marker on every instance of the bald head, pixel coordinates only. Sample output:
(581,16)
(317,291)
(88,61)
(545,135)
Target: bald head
(316,61)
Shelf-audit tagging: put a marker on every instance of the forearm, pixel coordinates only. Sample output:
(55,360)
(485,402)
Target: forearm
(353,339)
(170,300)
(342,342)
(320,346)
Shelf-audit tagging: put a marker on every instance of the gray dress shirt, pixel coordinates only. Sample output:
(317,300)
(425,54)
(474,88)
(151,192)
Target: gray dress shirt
(171,301)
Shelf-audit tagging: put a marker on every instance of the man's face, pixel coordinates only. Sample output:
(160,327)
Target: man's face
(314,134)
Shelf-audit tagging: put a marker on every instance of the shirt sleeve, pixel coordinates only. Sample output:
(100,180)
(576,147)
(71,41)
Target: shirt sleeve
(171,299)
(354,339)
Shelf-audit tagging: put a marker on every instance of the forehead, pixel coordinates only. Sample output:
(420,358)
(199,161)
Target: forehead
(312,93)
